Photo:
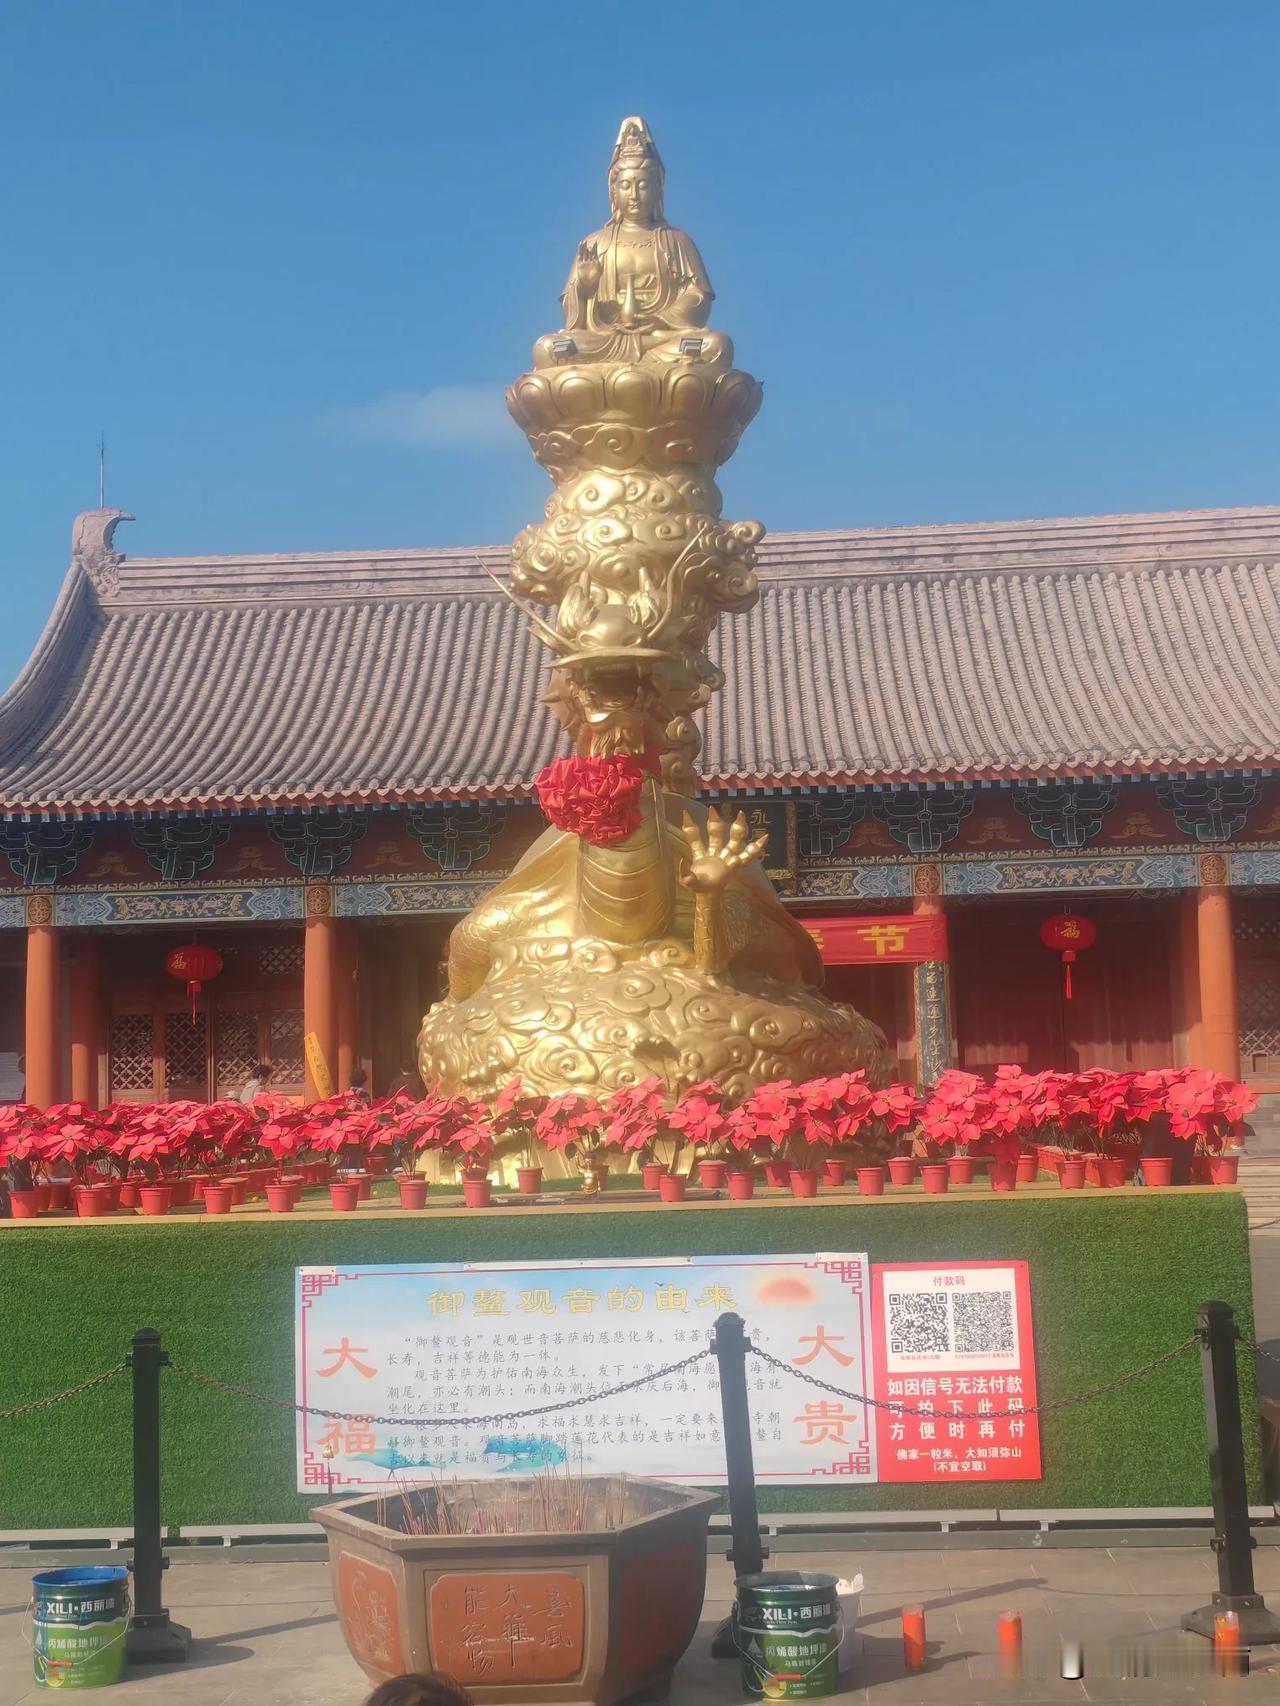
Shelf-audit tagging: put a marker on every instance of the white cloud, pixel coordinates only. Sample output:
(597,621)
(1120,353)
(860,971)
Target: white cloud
(444,415)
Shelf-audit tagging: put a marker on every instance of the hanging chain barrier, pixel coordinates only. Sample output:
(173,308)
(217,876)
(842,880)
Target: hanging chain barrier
(441,1421)
(61,1397)
(1192,1342)
(1257,1349)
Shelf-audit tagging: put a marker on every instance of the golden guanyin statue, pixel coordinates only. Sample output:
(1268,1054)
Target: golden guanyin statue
(659,947)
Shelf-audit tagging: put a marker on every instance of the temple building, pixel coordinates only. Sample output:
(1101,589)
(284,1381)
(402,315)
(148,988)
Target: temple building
(315,765)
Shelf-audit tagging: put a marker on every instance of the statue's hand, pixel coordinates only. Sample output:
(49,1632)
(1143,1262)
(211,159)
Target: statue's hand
(717,855)
(587,270)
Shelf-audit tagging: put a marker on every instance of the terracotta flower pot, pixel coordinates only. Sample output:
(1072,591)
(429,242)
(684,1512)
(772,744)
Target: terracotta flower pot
(528,1181)
(238,1184)
(413,1190)
(110,1189)
(804,1181)
(1225,1169)
(1071,1177)
(91,1204)
(280,1197)
(218,1197)
(379,1165)
(362,1182)
(902,1169)
(129,1189)
(59,1194)
(1004,1175)
(42,1191)
(183,1193)
(742,1186)
(344,1194)
(960,1169)
(835,1170)
(713,1174)
(871,1181)
(778,1174)
(935,1177)
(672,1187)
(476,1193)
(24,1205)
(652,1173)
(155,1199)
(1157,1169)
(1111,1172)
(1028,1169)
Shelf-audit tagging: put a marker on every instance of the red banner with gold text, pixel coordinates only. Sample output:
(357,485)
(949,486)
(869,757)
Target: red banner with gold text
(879,939)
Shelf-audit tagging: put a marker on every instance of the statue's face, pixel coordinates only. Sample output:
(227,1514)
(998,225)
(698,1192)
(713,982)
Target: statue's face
(635,193)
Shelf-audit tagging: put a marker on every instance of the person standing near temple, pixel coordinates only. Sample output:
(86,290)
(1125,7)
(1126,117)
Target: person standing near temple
(258,1082)
(406,1082)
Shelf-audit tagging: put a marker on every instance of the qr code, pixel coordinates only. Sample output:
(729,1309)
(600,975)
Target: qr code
(984,1323)
(917,1323)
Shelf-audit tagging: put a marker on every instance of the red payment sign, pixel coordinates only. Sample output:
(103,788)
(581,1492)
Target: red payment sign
(954,1357)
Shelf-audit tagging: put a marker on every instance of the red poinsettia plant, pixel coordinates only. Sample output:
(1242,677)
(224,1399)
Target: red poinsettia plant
(572,1123)
(636,1122)
(514,1112)
(596,798)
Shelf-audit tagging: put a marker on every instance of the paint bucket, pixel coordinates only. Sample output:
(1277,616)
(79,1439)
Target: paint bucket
(787,1627)
(79,1619)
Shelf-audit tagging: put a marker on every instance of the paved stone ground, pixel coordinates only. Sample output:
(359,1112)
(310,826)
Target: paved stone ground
(265,1634)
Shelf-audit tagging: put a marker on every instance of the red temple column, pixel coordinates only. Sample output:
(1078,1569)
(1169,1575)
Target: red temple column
(319,993)
(84,1019)
(44,1005)
(347,1004)
(1189,965)
(1219,1029)
(931,985)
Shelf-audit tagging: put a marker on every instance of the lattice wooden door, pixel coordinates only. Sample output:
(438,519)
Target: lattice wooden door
(133,1057)
(1257,934)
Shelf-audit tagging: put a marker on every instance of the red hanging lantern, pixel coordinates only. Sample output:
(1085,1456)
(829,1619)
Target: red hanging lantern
(196,964)
(1068,935)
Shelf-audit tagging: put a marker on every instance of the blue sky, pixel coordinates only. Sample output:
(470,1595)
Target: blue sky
(989,260)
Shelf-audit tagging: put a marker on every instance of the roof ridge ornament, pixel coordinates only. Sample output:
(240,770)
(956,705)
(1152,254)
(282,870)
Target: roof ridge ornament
(92,549)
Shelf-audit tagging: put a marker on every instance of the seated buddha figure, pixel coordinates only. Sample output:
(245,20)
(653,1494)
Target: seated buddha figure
(638,290)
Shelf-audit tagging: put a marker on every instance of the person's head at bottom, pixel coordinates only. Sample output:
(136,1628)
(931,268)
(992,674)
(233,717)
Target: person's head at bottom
(423,1689)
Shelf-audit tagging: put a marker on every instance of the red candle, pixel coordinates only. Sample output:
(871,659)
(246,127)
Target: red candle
(913,1648)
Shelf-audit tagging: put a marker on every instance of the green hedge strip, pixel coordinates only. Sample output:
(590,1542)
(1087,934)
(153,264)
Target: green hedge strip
(1115,1281)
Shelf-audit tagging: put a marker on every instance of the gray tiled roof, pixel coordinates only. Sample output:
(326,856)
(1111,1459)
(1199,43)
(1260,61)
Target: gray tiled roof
(1109,644)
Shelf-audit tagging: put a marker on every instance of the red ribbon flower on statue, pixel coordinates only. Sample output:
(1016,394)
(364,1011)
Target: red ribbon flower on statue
(596,798)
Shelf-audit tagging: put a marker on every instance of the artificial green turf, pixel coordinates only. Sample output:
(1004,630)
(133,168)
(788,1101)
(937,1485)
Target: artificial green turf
(1115,1280)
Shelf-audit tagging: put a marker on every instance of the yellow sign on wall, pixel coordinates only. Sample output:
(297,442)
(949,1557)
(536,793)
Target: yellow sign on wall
(318,1066)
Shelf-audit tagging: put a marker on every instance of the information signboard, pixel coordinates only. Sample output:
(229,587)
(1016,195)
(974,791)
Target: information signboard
(474,1340)
(953,1347)
(388,1346)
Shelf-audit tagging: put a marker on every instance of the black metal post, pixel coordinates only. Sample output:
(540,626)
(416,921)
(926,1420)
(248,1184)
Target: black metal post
(747,1553)
(152,1638)
(1224,1434)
